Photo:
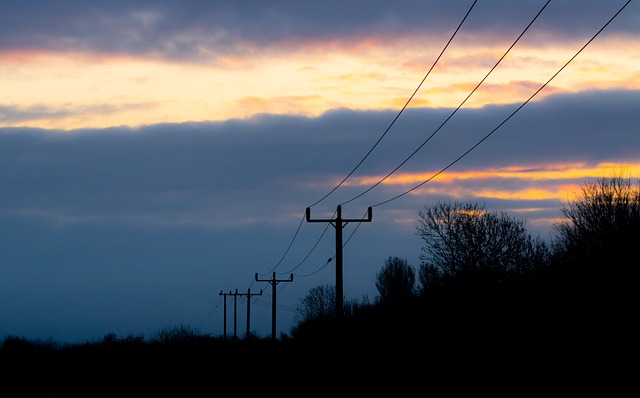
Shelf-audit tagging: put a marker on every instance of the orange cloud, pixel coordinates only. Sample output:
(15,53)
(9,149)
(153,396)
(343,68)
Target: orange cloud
(555,178)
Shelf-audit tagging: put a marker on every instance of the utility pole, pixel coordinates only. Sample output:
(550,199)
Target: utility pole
(339,223)
(235,313)
(248,294)
(224,333)
(273,282)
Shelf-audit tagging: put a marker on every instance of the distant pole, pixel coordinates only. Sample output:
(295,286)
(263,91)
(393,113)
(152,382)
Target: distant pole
(249,294)
(224,333)
(339,223)
(273,282)
(235,312)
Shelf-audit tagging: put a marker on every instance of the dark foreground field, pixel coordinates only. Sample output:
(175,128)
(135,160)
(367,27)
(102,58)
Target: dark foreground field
(215,367)
(463,353)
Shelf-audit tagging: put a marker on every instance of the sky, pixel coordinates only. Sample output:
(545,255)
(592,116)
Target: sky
(157,157)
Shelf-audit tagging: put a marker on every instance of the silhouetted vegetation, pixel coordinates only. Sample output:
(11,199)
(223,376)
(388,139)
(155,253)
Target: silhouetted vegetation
(396,281)
(485,289)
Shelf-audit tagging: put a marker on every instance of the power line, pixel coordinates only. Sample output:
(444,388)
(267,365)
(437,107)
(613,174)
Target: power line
(210,314)
(401,110)
(281,307)
(512,113)
(308,254)
(455,110)
(319,269)
(288,247)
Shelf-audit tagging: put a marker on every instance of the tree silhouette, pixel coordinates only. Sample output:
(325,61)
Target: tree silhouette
(396,281)
(316,315)
(464,243)
(319,303)
(595,256)
(602,227)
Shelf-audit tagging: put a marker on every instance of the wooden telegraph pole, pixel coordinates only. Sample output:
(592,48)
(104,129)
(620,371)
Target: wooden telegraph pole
(339,223)
(273,282)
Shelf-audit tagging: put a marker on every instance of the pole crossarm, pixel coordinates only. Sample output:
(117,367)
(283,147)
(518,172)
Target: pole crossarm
(273,282)
(339,223)
(344,221)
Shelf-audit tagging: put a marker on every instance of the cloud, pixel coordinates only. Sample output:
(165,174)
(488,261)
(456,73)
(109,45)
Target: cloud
(206,29)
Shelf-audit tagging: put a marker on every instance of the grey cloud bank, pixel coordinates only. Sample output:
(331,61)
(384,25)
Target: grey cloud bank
(195,29)
(198,165)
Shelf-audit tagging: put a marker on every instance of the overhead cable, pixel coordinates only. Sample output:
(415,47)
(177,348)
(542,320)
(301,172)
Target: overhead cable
(401,110)
(455,110)
(512,113)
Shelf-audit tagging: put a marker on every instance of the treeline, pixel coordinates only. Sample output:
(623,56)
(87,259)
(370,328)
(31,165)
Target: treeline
(484,281)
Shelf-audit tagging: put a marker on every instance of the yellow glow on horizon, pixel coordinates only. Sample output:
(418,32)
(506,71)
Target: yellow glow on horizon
(68,91)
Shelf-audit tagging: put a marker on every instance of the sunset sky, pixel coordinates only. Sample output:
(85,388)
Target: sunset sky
(156,154)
